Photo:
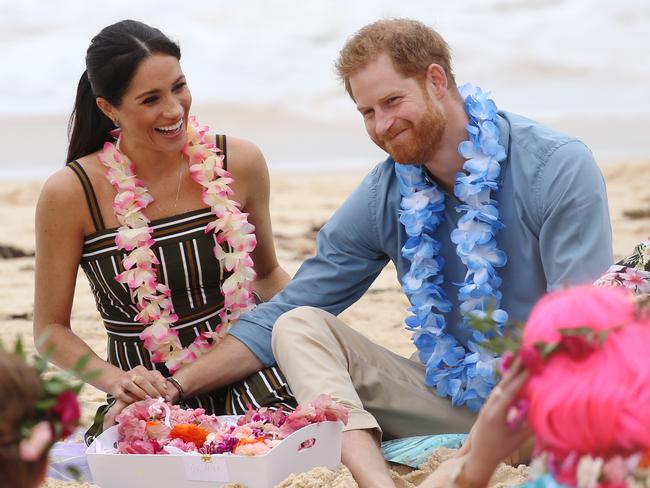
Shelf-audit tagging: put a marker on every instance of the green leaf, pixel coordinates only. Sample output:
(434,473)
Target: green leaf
(545,348)
(46,403)
(55,387)
(602,335)
(19,348)
(74,473)
(40,364)
(577,331)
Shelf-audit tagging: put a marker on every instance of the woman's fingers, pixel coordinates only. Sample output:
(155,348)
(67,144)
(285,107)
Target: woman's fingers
(515,368)
(140,384)
(113,412)
(152,382)
(159,382)
(146,386)
(506,391)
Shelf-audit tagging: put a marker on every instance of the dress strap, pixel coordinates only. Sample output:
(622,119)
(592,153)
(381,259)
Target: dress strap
(221,144)
(91,198)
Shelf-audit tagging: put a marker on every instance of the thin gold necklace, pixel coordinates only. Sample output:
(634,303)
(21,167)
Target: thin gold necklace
(170,211)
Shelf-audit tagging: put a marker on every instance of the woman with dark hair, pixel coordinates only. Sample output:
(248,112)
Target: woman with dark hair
(160,214)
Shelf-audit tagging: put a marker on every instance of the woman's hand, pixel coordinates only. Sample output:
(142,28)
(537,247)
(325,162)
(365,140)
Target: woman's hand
(138,384)
(113,412)
(494,436)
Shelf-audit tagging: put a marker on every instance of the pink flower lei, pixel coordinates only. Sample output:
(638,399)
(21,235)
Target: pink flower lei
(234,241)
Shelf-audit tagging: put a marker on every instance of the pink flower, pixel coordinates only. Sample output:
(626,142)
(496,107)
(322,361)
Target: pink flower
(130,428)
(506,361)
(140,255)
(40,438)
(532,359)
(637,280)
(322,409)
(615,470)
(566,473)
(182,445)
(577,346)
(331,409)
(148,446)
(67,411)
(157,430)
(254,449)
(129,239)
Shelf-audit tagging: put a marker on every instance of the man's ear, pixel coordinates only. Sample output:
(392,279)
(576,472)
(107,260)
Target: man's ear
(106,107)
(437,80)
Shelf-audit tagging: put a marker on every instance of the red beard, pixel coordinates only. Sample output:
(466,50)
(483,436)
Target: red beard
(421,141)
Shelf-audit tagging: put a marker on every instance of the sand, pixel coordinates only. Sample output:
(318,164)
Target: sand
(301,203)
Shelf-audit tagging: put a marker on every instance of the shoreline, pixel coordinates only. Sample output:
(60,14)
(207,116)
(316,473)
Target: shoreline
(294,142)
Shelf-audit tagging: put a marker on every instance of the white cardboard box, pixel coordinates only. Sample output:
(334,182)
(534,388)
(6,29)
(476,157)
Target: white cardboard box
(195,471)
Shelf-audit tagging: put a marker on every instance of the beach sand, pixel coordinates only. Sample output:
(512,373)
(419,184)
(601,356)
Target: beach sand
(301,203)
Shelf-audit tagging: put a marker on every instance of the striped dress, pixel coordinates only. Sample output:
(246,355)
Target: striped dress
(193,274)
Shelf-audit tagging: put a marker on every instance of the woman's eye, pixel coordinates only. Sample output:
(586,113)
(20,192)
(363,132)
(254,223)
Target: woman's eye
(149,100)
(179,86)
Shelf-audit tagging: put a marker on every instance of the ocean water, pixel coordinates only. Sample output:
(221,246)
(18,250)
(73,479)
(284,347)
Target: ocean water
(547,59)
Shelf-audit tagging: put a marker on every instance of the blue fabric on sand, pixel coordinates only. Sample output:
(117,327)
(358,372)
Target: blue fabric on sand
(413,451)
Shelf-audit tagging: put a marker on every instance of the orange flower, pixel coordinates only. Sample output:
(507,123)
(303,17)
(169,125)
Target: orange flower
(644,462)
(190,433)
(248,440)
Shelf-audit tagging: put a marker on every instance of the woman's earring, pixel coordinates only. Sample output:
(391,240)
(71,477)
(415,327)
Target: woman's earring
(116,123)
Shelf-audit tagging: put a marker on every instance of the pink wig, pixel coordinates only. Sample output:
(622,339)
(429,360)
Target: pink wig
(598,404)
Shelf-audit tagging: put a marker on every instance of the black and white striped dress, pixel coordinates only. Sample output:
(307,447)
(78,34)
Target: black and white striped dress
(193,274)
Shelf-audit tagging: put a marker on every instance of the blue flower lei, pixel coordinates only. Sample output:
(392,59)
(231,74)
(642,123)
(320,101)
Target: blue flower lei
(465,375)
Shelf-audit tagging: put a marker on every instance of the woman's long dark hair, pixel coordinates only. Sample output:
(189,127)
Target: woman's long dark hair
(111,61)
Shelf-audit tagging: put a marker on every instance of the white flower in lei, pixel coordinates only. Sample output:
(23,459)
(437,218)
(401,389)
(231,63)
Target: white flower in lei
(466,376)
(234,241)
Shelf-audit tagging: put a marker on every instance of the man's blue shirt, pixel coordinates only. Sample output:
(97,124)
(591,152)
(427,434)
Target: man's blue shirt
(553,203)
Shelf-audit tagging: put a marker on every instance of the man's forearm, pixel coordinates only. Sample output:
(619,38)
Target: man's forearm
(227,363)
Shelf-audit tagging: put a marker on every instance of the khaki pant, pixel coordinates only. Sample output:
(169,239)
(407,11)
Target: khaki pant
(319,353)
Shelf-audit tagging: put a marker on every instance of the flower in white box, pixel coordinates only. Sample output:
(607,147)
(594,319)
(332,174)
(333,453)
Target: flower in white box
(156,427)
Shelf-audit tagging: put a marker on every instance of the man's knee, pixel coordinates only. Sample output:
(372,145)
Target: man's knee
(296,323)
